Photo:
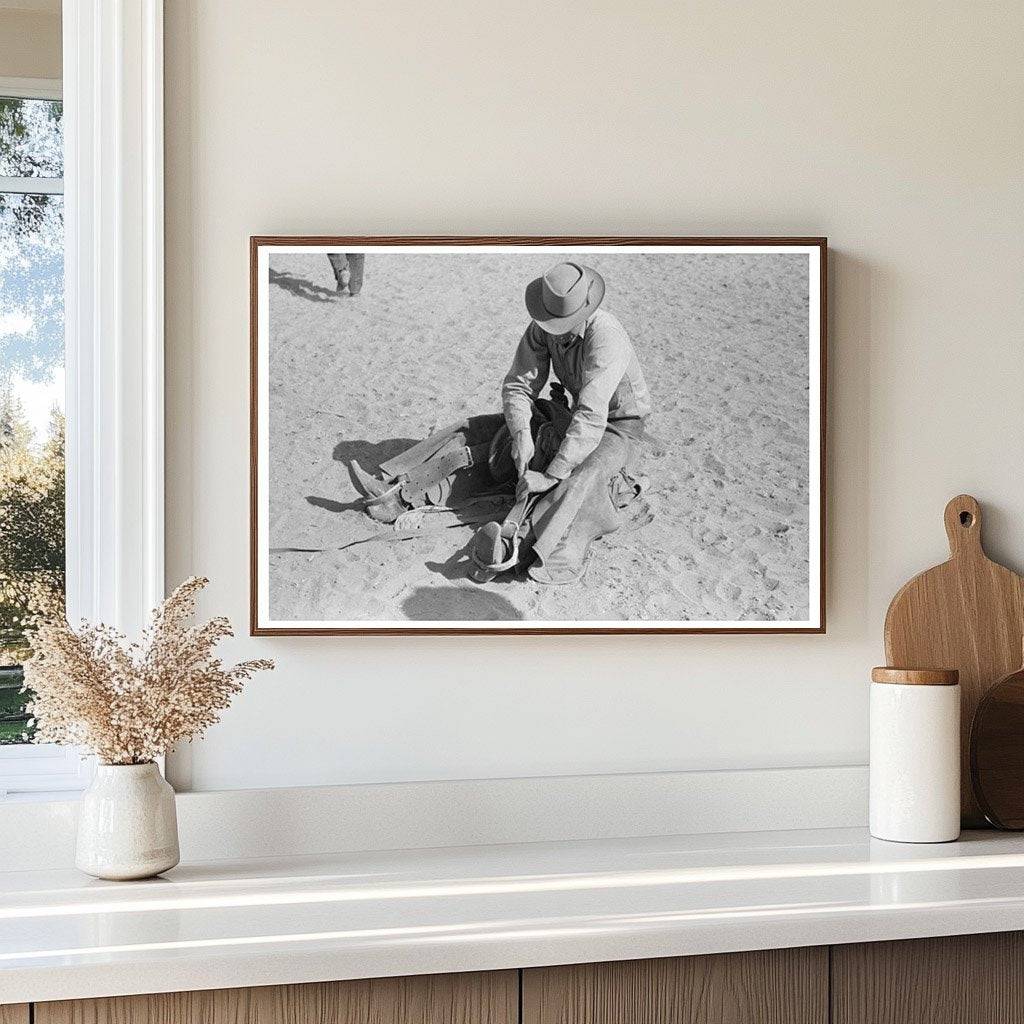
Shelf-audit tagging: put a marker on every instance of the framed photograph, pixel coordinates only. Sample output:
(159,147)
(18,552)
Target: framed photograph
(537,435)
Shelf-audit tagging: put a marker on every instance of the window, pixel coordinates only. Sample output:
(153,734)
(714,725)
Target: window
(109,208)
(32,514)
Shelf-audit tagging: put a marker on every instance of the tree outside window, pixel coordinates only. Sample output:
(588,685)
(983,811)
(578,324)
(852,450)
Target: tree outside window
(32,555)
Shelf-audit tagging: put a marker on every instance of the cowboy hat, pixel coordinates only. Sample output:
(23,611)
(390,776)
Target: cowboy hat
(564,297)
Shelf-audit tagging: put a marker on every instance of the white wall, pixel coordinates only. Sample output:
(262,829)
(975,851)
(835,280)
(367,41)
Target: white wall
(895,129)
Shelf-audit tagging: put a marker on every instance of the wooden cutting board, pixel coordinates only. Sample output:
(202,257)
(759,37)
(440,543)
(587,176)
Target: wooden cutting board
(967,614)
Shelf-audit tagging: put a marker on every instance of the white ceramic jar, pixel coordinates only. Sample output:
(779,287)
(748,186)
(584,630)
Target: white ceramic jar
(127,824)
(915,755)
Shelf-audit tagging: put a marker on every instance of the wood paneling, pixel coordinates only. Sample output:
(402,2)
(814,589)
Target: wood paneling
(14,1013)
(968,979)
(963,979)
(490,998)
(779,986)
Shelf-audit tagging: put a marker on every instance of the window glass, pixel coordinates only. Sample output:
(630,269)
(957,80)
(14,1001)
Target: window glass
(31,138)
(31,387)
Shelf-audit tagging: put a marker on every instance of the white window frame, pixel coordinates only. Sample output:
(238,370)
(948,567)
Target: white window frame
(114,324)
(32,88)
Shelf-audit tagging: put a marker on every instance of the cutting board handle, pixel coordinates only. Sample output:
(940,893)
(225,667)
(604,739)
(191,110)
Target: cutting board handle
(963,526)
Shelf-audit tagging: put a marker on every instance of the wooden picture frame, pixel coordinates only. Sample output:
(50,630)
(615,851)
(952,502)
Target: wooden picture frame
(262,248)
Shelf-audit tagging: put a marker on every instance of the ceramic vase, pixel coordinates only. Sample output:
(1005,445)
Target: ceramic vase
(127,825)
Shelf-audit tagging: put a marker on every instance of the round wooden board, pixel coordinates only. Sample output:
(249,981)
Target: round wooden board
(997,752)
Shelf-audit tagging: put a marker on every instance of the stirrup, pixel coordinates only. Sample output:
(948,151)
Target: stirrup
(379,499)
(504,539)
(492,552)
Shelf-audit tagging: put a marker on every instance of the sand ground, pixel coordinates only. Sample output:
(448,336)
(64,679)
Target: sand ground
(722,339)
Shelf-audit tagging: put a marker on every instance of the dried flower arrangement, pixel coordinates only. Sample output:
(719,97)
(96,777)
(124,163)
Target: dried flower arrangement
(129,703)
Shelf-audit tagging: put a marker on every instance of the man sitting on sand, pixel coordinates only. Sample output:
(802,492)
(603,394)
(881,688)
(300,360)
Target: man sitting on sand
(593,357)
(569,463)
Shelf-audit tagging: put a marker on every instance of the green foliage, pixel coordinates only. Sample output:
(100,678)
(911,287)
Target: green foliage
(32,552)
(14,727)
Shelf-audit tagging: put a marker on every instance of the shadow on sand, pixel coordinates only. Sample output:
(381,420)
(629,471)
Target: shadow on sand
(456,566)
(371,453)
(329,505)
(466,602)
(302,288)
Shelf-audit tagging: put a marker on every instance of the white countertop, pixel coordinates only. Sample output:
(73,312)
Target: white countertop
(262,922)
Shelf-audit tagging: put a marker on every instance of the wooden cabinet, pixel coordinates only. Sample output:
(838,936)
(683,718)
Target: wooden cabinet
(778,986)
(491,998)
(962,979)
(970,979)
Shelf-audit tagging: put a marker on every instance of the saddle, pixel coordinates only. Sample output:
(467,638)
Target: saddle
(426,473)
(417,478)
(495,547)
(550,420)
(444,472)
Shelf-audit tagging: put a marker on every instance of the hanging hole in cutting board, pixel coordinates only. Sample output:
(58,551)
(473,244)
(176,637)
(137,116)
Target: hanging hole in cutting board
(966,519)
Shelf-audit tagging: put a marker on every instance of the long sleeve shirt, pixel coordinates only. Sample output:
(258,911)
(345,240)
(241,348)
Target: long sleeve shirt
(598,367)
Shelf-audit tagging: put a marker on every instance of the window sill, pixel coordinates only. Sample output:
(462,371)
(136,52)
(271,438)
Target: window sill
(44,771)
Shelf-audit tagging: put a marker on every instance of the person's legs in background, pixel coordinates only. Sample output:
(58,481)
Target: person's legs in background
(342,274)
(356,263)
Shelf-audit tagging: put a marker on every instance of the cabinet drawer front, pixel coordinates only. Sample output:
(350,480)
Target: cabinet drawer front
(778,986)
(482,998)
(14,1013)
(961,979)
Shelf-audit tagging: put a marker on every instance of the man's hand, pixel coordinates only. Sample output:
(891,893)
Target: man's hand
(537,483)
(522,451)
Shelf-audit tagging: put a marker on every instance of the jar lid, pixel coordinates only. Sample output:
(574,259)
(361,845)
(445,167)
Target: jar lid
(916,676)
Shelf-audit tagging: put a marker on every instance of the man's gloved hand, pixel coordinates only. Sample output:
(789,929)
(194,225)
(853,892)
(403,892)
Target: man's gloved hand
(522,450)
(537,483)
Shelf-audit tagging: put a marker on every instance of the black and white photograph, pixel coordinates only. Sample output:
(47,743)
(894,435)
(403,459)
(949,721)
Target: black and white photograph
(559,435)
